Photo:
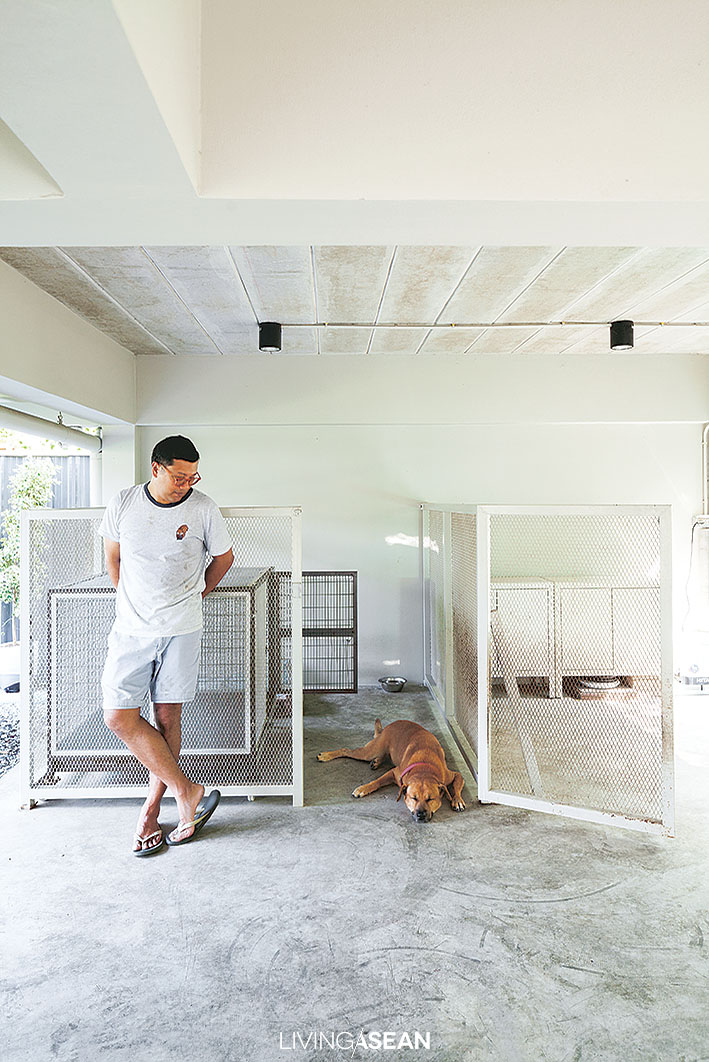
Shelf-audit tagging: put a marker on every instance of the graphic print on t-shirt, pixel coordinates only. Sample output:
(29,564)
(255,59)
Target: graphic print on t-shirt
(181,531)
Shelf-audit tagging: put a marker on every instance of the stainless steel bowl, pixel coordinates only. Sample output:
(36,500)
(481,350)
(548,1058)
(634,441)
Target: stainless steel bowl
(392,684)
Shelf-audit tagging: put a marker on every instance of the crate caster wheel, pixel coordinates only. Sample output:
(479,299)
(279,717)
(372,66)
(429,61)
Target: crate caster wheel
(251,799)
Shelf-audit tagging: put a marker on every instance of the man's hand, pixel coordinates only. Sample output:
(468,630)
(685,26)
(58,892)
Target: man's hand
(217,570)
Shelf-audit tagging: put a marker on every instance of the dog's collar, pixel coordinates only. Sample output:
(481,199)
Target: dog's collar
(411,767)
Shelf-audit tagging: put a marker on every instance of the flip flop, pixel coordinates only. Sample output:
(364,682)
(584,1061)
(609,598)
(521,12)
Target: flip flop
(202,815)
(140,852)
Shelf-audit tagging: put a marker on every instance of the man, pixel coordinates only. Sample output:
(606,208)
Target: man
(157,538)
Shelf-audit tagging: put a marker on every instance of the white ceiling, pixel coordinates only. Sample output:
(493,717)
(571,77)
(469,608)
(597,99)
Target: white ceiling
(178,122)
(175,172)
(380,300)
(412,100)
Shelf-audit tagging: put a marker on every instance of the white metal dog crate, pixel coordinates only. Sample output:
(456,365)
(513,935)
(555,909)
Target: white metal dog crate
(570,608)
(242,732)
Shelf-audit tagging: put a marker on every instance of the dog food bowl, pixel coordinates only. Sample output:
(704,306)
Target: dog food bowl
(392,685)
(599,682)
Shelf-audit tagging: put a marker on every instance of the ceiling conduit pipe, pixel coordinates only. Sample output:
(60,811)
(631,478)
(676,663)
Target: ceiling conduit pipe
(26,423)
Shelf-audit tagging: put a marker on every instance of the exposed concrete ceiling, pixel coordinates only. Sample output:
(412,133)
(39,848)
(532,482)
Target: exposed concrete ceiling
(380,300)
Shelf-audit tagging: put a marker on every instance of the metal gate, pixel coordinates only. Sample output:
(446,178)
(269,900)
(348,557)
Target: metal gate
(573,621)
(243,732)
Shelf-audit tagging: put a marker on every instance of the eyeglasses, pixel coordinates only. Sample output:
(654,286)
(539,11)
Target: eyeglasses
(183,481)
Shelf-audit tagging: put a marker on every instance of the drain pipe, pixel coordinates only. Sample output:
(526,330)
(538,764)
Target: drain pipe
(705,473)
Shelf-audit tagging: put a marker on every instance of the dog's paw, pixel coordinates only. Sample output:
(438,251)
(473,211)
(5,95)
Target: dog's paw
(376,763)
(324,757)
(360,791)
(458,805)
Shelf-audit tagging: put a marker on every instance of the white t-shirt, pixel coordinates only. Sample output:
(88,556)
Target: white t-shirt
(164,553)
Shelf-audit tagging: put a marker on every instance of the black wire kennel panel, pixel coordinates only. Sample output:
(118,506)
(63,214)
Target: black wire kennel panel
(329,630)
(241,733)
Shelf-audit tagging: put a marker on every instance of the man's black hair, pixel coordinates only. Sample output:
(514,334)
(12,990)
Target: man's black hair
(174,448)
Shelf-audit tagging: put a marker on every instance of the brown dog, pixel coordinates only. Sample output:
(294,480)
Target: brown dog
(419,768)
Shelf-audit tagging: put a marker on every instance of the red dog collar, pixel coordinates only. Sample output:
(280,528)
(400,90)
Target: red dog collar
(411,767)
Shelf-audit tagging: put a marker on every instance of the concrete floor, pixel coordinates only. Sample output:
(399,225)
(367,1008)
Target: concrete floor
(505,935)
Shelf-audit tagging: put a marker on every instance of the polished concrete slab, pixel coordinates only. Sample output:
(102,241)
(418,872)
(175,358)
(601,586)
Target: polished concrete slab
(495,934)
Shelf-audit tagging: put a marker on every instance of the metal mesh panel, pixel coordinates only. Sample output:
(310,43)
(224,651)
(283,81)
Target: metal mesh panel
(61,555)
(79,622)
(575,710)
(237,732)
(434,602)
(328,601)
(464,601)
(225,643)
(329,631)
(329,664)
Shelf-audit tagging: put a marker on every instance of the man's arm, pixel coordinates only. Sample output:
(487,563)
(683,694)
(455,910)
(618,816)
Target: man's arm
(113,559)
(216,571)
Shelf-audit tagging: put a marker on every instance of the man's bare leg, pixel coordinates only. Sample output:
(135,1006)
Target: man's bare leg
(150,747)
(168,721)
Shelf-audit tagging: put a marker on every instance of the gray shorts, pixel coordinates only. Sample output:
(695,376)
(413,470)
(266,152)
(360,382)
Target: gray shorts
(166,668)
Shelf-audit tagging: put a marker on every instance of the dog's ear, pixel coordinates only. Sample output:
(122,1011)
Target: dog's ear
(402,790)
(444,789)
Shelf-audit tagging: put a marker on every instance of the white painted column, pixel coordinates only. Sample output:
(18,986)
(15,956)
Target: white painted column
(118,463)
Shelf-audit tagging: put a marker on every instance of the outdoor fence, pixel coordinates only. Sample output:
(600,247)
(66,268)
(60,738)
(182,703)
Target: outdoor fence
(70,491)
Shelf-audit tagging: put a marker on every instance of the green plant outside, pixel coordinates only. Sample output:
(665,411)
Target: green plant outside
(30,488)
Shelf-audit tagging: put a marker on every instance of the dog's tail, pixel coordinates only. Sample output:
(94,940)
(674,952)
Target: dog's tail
(377,727)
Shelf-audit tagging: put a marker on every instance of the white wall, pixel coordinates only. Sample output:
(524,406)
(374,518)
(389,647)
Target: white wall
(360,486)
(119,465)
(396,389)
(360,442)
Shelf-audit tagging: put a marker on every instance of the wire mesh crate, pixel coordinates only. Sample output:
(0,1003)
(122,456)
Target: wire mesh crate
(242,732)
(570,609)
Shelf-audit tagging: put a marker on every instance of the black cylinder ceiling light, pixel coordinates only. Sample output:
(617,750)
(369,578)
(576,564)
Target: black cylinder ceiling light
(269,336)
(622,335)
